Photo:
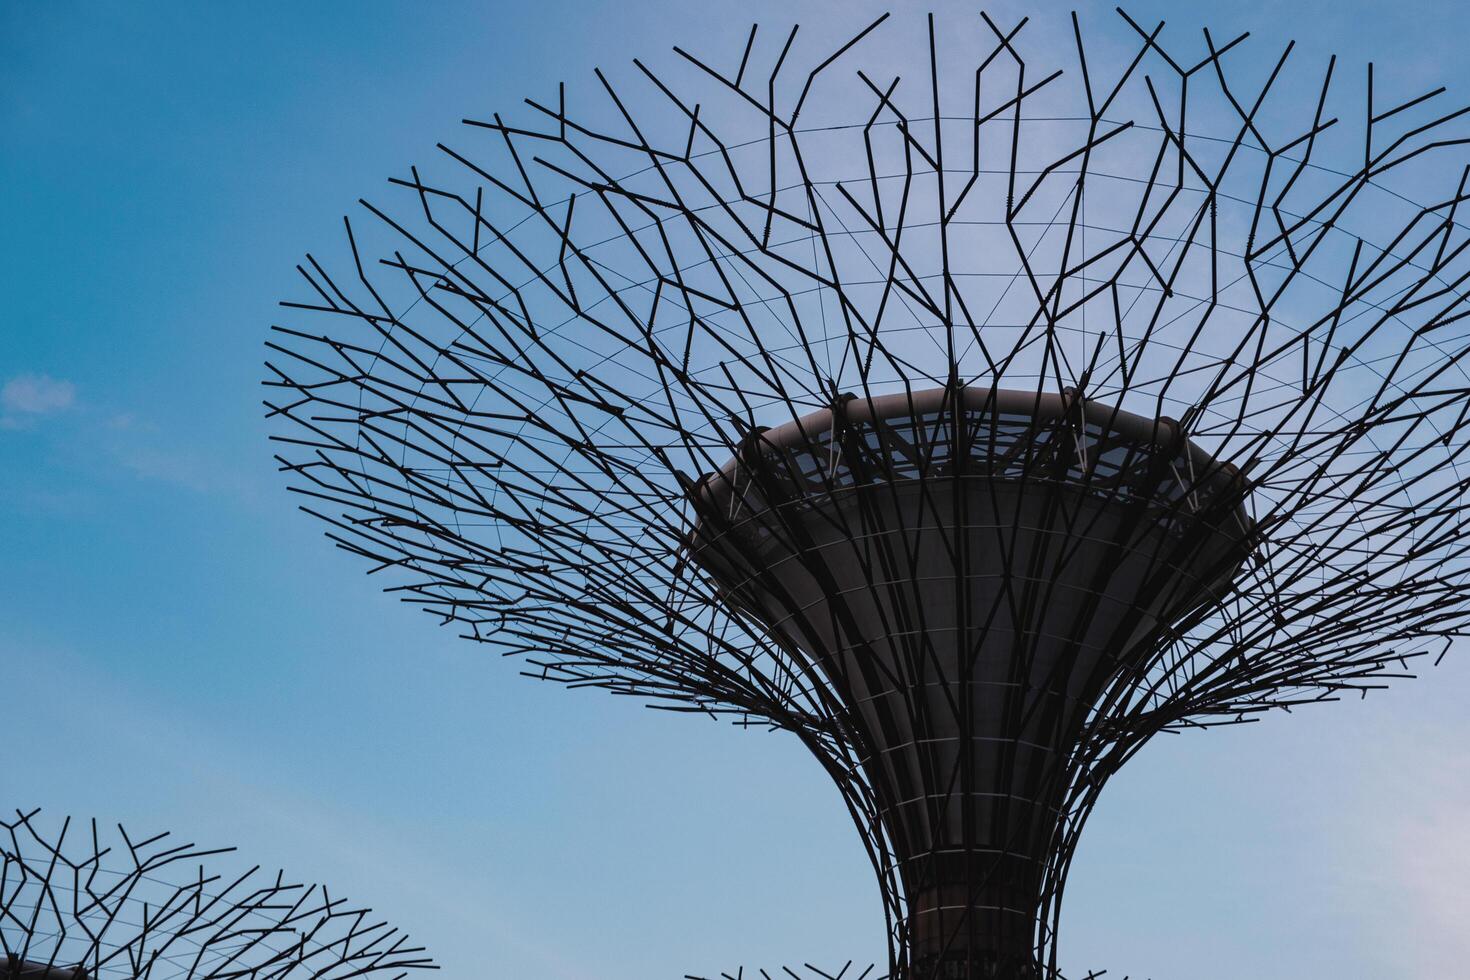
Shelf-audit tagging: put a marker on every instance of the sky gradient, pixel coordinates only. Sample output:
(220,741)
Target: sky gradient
(180,649)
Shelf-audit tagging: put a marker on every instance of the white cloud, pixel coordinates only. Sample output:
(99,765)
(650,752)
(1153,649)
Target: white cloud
(28,396)
(37,394)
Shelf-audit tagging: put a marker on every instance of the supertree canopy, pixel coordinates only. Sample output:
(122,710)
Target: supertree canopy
(970,405)
(80,903)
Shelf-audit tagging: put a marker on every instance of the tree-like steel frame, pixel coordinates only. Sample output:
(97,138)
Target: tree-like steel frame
(80,903)
(574,322)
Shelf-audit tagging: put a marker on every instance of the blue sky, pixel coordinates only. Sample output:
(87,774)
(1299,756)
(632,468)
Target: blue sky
(180,649)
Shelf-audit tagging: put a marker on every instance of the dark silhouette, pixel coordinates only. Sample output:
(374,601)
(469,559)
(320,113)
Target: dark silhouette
(76,905)
(973,426)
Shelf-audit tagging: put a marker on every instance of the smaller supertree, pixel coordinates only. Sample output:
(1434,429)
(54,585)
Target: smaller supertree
(78,906)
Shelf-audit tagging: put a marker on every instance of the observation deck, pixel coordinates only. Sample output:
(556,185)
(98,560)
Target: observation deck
(971,570)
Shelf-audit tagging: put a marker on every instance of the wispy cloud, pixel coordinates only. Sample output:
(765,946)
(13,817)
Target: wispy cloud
(1429,859)
(180,765)
(1403,851)
(27,397)
(147,457)
(165,466)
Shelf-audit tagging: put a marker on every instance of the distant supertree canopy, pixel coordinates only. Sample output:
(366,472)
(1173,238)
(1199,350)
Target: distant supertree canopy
(78,902)
(972,403)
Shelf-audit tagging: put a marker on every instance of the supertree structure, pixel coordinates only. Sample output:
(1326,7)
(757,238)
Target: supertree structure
(80,903)
(972,425)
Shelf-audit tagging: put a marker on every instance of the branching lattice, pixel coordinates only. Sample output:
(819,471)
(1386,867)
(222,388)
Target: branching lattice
(527,388)
(848,971)
(85,906)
